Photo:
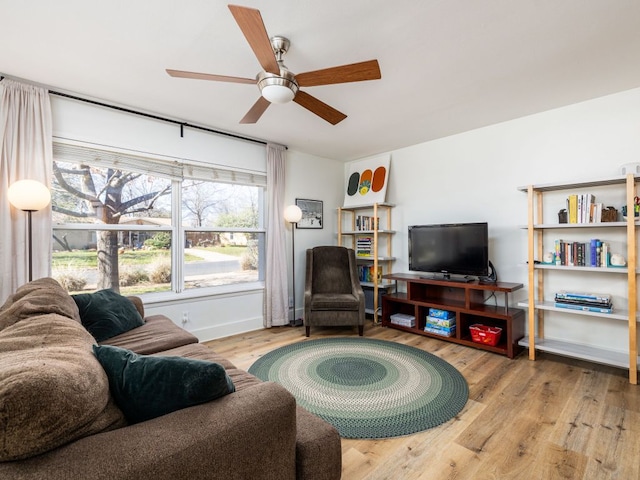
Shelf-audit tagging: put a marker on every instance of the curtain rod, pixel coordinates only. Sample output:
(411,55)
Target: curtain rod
(157,117)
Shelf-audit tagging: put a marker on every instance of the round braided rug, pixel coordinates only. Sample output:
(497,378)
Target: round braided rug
(367,388)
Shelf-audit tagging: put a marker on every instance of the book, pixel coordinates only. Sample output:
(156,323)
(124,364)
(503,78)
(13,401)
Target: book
(604,255)
(585,210)
(573,208)
(599,297)
(584,308)
(558,251)
(441,322)
(603,299)
(597,215)
(444,333)
(580,208)
(439,313)
(593,257)
(585,303)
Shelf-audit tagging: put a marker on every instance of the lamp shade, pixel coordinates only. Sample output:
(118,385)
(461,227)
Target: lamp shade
(29,195)
(292,214)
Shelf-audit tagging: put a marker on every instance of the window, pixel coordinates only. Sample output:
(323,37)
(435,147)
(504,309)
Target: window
(141,225)
(222,231)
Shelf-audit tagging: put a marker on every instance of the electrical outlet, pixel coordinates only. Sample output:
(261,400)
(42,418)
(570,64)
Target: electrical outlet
(185,317)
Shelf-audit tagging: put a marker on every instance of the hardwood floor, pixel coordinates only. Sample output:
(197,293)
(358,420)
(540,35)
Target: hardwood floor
(554,418)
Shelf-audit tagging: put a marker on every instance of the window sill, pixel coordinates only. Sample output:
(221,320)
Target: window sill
(199,293)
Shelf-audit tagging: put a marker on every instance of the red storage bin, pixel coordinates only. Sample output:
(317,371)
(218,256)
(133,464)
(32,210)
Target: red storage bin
(485,334)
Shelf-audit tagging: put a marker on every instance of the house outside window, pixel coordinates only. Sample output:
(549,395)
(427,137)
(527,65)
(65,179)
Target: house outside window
(143,225)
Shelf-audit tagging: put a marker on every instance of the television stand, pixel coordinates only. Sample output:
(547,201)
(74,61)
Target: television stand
(466,299)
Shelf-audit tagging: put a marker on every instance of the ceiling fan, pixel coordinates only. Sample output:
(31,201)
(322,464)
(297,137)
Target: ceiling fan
(276,82)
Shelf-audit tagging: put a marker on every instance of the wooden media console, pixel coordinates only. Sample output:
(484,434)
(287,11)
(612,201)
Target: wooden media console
(468,300)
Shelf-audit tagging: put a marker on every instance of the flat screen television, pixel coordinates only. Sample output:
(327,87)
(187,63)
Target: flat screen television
(450,249)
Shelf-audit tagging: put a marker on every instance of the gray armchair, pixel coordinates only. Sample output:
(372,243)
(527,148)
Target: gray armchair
(332,295)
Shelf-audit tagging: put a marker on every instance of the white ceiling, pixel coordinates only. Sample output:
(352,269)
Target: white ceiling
(448,66)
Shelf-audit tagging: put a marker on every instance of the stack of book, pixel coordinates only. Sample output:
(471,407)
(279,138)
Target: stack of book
(587,302)
(441,322)
(364,246)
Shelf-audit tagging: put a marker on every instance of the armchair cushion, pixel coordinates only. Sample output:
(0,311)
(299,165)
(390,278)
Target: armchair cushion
(338,301)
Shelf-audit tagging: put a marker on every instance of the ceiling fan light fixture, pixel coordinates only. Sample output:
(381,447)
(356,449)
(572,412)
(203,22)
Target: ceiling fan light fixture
(277,88)
(277,93)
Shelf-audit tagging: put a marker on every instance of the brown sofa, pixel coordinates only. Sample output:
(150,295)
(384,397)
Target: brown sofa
(257,432)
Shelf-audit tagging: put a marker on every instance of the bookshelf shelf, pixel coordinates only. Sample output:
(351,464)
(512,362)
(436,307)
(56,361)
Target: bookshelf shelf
(618,314)
(559,226)
(581,352)
(366,232)
(370,258)
(536,303)
(612,270)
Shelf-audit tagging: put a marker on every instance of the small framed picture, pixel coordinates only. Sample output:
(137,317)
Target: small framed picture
(311,213)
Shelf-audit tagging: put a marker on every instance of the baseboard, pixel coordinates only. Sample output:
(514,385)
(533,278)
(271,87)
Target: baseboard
(227,329)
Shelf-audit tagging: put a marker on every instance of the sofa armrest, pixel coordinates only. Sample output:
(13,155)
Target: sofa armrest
(247,434)
(137,301)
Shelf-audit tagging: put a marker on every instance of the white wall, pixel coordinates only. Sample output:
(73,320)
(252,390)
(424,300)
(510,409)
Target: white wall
(474,176)
(80,121)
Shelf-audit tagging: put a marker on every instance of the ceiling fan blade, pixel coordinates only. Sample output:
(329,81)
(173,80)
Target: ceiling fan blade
(209,76)
(250,22)
(321,109)
(354,72)
(255,112)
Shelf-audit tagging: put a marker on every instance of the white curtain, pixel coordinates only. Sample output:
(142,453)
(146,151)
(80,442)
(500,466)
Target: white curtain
(276,304)
(25,153)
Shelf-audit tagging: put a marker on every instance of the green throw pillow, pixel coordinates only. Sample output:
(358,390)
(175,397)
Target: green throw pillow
(106,313)
(146,386)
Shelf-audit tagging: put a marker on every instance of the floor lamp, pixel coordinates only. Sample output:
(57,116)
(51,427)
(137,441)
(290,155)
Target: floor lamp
(293,214)
(29,196)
